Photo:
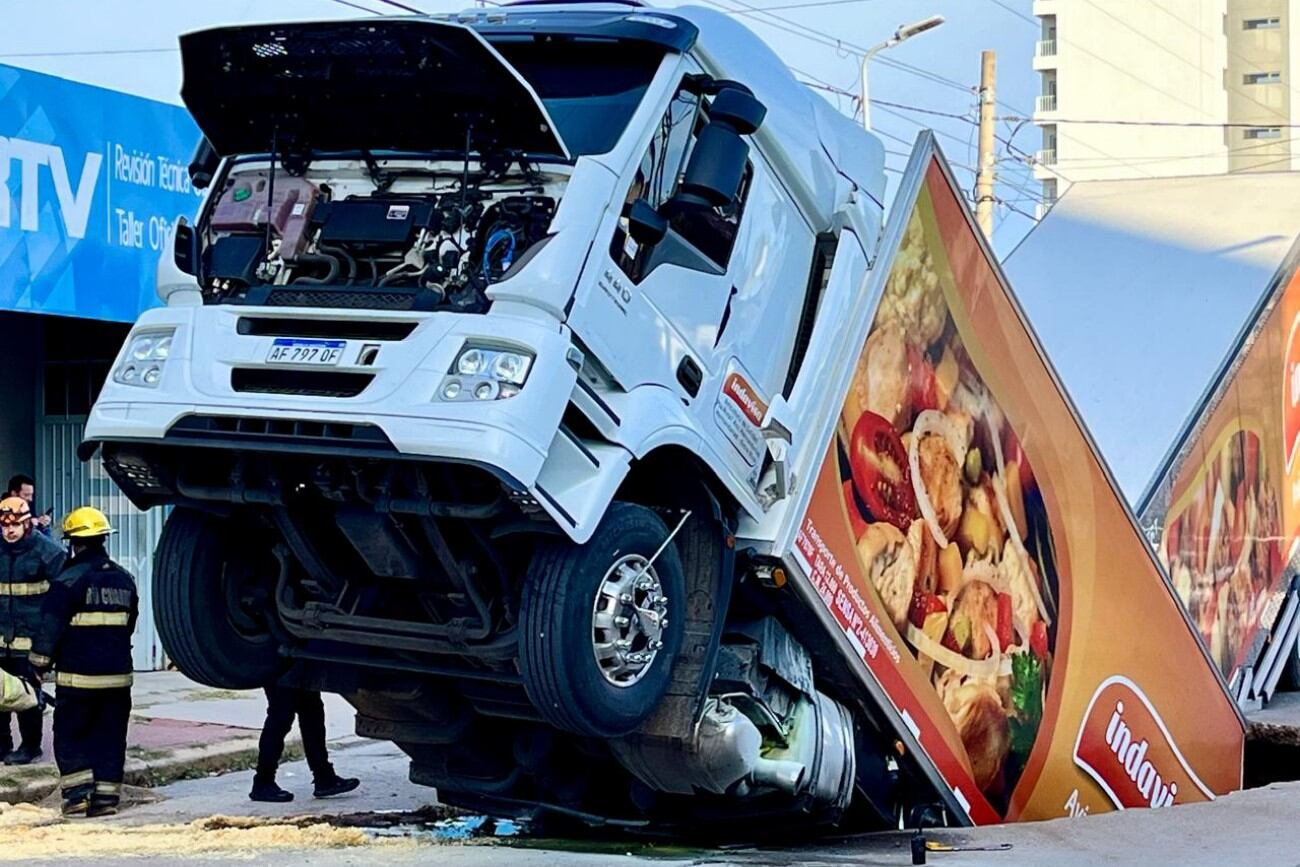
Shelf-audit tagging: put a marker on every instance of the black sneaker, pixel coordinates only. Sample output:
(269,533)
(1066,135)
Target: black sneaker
(269,793)
(77,807)
(336,786)
(23,756)
(99,808)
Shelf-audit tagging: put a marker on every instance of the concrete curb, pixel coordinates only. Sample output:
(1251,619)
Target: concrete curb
(34,783)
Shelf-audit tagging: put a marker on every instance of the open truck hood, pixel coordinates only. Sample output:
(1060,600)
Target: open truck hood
(411,85)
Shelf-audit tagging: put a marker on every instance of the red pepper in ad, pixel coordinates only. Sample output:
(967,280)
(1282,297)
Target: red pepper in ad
(1011,451)
(880,471)
(923,605)
(1038,639)
(1006,629)
(924,385)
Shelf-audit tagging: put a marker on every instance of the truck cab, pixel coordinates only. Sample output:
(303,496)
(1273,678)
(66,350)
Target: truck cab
(494,334)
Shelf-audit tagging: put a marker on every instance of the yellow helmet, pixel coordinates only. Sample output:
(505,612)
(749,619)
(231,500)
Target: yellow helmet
(86,522)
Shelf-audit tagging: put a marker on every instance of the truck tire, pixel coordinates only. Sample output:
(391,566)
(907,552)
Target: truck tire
(580,602)
(195,605)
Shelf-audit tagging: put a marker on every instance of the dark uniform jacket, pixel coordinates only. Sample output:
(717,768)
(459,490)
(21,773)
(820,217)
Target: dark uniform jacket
(86,624)
(27,569)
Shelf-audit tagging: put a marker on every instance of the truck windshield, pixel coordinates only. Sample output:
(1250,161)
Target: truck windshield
(590,87)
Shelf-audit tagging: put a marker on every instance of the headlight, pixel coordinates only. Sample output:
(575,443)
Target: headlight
(486,373)
(145,356)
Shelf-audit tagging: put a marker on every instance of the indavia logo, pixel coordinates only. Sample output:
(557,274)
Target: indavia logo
(1123,745)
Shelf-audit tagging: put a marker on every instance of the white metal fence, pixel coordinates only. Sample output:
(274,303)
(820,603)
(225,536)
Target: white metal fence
(64,482)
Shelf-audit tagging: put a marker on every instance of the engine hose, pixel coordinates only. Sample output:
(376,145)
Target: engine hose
(341,254)
(495,238)
(318,259)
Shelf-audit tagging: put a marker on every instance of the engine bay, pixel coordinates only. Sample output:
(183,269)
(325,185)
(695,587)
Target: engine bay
(359,233)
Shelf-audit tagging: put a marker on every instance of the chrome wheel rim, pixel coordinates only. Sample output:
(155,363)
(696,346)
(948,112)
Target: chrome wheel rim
(628,620)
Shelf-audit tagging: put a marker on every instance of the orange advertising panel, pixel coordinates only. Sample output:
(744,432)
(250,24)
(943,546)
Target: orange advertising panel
(1228,507)
(965,535)
(1290,403)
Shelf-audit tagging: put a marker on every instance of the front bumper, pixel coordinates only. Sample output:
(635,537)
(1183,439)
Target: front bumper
(509,437)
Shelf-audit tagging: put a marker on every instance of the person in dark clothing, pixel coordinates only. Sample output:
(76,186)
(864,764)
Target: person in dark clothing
(85,634)
(283,703)
(24,488)
(29,561)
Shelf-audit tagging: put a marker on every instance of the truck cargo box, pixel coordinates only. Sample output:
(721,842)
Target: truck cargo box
(965,540)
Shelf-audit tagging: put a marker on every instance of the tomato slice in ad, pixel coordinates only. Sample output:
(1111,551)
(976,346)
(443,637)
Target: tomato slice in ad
(880,472)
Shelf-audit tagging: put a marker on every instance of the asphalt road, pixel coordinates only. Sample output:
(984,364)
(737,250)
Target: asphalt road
(1253,827)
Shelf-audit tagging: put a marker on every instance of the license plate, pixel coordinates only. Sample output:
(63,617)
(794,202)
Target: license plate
(320,353)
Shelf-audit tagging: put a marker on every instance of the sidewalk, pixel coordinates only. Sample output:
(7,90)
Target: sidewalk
(180,730)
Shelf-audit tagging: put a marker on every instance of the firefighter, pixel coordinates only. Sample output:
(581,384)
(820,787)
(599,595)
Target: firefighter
(85,634)
(30,561)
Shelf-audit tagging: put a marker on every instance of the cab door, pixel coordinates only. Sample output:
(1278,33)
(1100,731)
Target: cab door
(651,314)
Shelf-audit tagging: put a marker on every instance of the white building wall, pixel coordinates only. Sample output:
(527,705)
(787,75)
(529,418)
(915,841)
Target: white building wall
(1139,60)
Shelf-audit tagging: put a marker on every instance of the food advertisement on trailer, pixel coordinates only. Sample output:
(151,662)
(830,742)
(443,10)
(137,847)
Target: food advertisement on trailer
(1219,510)
(965,535)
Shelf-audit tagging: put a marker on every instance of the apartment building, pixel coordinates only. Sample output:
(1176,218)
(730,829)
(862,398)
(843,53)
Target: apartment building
(1182,87)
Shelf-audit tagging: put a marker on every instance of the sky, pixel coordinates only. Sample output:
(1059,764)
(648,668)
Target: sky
(133,48)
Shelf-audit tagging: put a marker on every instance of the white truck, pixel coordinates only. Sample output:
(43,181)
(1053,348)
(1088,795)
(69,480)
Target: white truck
(495,332)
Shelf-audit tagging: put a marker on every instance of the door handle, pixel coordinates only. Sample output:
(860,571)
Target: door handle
(779,481)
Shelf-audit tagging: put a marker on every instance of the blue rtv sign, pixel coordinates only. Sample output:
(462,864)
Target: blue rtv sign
(91,183)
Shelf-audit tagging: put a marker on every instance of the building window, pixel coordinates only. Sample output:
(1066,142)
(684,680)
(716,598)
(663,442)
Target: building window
(1263,132)
(1261,78)
(1261,24)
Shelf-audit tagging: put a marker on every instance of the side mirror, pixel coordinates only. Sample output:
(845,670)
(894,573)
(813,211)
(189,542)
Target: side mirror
(646,225)
(203,166)
(738,109)
(717,163)
(185,248)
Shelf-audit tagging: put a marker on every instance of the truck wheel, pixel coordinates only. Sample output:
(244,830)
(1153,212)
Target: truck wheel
(602,624)
(205,603)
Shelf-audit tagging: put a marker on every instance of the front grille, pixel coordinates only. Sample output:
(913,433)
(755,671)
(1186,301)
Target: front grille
(282,326)
(281,430)
(305,383)
(345,299)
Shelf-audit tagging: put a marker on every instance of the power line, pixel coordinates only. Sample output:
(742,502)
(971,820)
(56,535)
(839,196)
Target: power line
(1002,180)
(358,6)
(814,4)
(1234,151)
(1198,124)
(888,108)
(401,6)
(1016,12)
(795,28)
(90,53)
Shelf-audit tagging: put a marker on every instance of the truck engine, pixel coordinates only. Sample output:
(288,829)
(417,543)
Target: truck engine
(408,238)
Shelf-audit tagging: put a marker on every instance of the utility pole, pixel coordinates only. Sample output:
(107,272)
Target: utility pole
(984,179)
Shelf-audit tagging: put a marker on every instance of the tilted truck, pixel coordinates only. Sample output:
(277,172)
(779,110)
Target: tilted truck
(539,379)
